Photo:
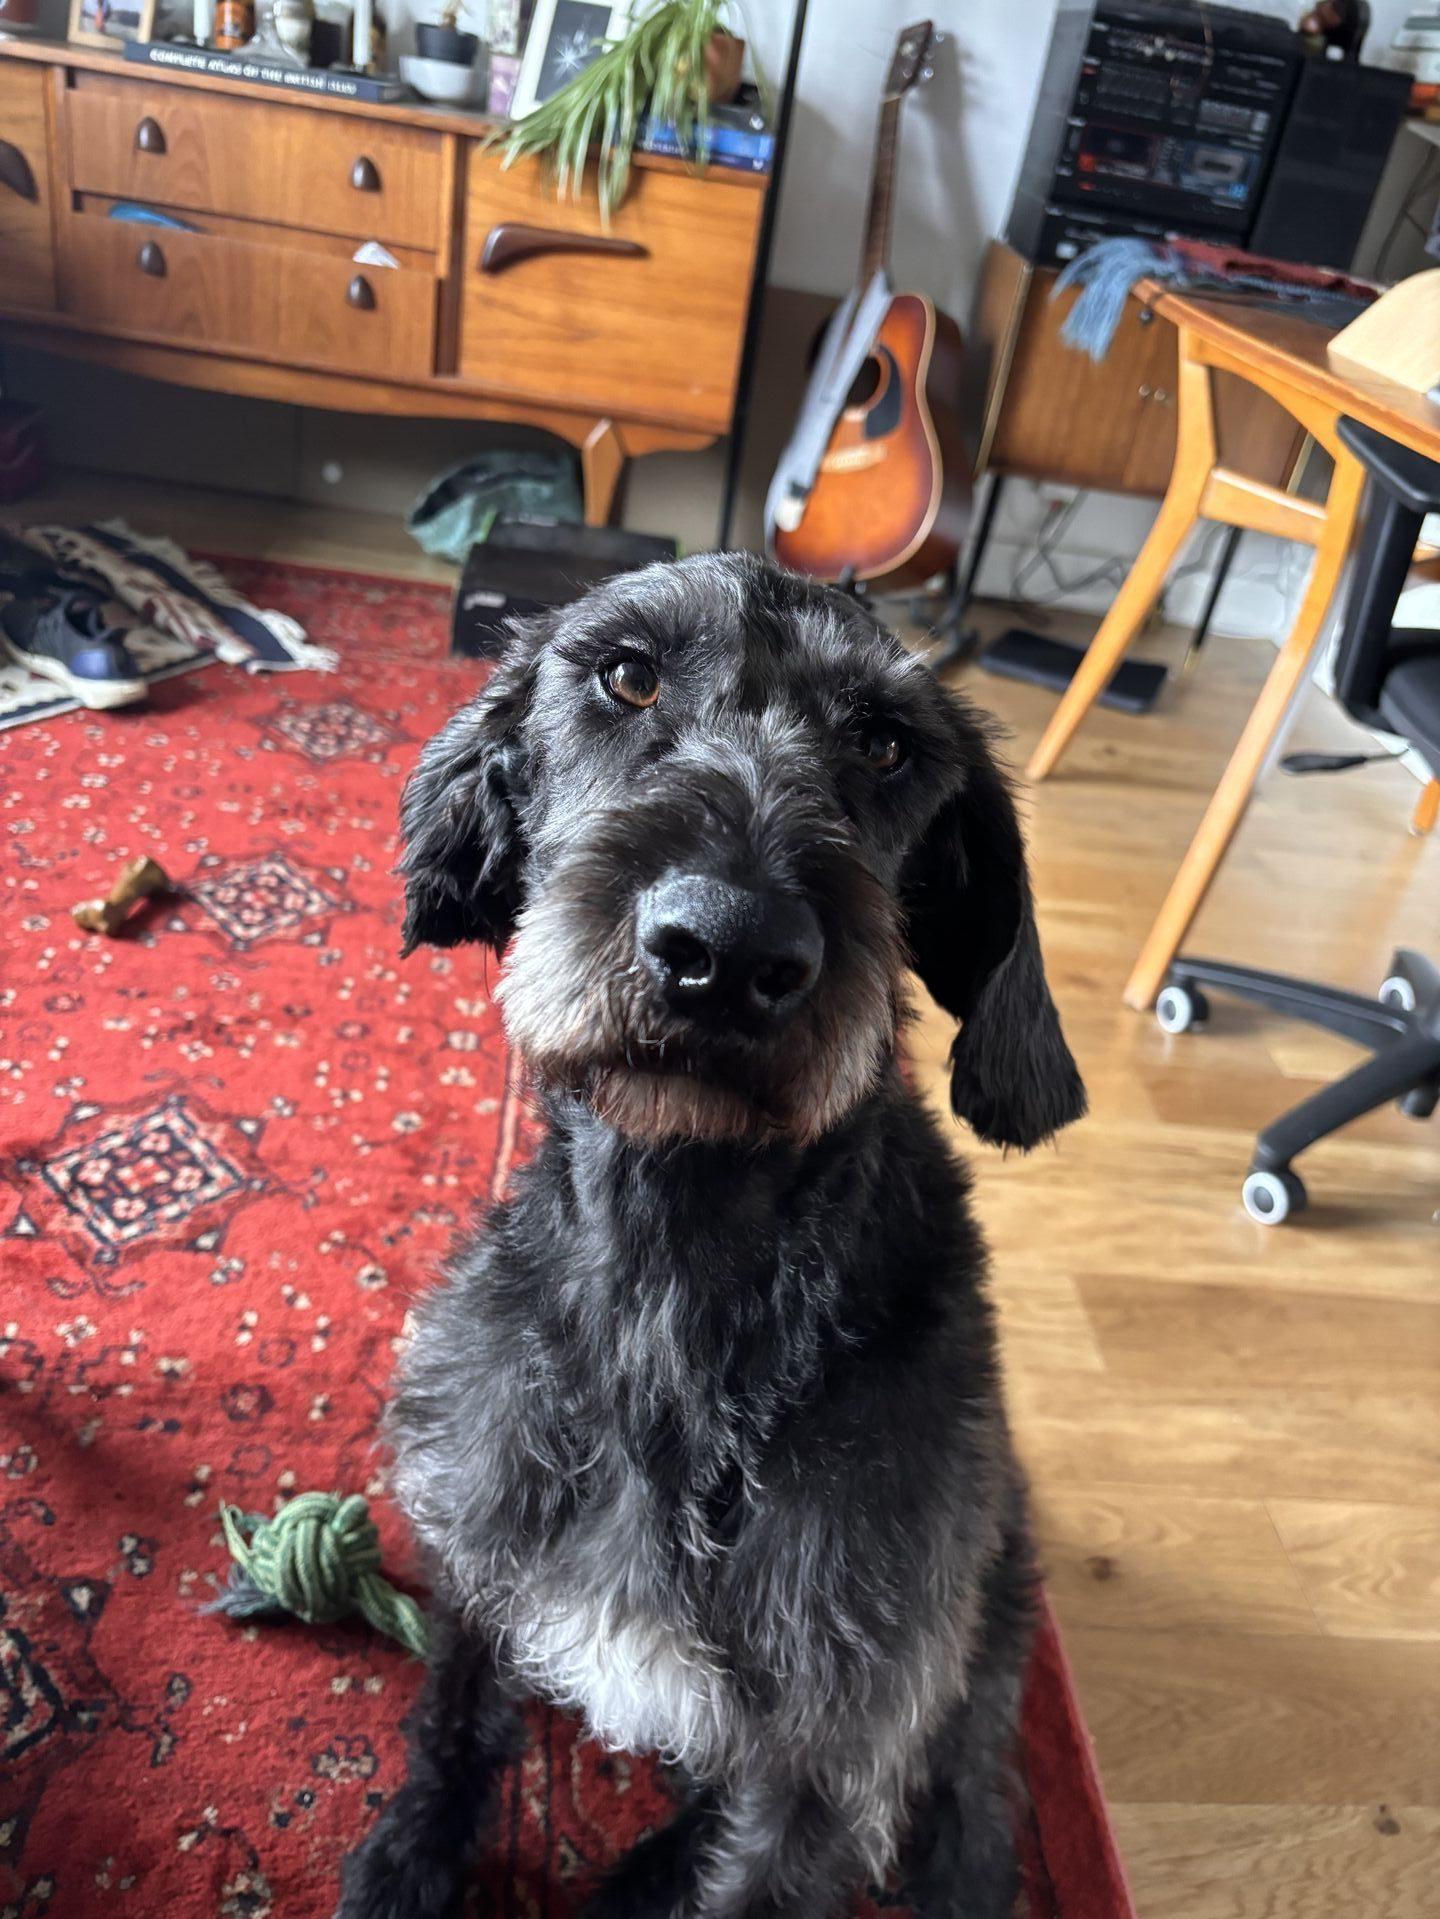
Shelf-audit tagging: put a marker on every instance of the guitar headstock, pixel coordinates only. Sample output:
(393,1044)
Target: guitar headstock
(910,61)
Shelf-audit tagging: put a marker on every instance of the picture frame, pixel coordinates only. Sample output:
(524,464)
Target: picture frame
(109,23)
(564,37)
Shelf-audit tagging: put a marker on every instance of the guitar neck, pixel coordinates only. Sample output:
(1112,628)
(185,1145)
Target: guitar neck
(876,253)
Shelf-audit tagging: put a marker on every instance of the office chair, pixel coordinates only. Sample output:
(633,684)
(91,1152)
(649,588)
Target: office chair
(1388,678)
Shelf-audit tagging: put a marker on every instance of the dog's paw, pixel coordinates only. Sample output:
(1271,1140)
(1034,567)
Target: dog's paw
(391,1877)
(615,1899)
(653,1881)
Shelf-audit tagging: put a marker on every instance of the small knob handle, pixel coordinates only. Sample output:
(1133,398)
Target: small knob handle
(149,137)
(360,294)
(365,176)
(151,260)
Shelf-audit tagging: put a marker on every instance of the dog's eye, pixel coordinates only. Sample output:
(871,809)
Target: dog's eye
(883,747)
(633,681)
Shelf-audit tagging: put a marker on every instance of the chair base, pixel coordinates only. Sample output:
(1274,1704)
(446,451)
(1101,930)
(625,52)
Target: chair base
(1400,1028)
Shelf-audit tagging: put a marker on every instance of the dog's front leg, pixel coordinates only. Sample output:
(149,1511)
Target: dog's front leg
(463,1732)
(778,1850)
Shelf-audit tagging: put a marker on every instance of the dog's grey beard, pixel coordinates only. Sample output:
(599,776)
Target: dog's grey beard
(583,1022)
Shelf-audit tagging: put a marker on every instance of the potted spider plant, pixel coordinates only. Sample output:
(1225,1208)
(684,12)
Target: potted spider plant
(674,62)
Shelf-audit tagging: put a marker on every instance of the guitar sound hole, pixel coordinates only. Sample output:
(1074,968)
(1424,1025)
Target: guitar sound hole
(866,383)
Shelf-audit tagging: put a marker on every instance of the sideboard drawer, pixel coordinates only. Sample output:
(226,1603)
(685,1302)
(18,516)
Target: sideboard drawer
(648,327)
(291,304)
(27,259)
(291,165)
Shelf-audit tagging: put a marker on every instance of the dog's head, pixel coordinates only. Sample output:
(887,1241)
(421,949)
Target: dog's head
(715,812)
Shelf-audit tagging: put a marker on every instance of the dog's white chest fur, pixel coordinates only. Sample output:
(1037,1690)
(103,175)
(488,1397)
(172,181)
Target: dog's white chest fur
(640,1685)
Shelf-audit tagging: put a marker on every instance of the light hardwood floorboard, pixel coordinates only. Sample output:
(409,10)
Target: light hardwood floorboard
(1234,1433)
(1367,1571)
(1285,1862)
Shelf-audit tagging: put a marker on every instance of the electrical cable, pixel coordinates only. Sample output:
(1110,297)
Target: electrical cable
(1042,553)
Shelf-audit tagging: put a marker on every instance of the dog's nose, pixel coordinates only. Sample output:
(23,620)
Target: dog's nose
(717,950)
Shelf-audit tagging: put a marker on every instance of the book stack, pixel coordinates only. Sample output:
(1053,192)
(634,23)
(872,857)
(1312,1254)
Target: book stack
(735,136)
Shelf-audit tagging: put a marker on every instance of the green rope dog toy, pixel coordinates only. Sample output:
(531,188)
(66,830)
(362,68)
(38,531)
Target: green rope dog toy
(318,1558)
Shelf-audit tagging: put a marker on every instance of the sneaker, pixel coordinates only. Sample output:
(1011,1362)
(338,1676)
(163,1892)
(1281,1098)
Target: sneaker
(63,637)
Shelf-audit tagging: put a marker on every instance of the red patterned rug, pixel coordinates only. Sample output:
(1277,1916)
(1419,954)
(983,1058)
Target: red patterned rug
(237,1139)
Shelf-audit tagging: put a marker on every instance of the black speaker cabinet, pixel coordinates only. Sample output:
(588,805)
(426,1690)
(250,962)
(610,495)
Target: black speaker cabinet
(527,566)
(1327,165)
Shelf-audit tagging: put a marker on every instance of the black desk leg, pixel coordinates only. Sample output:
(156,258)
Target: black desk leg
(956,640)
(1217,586)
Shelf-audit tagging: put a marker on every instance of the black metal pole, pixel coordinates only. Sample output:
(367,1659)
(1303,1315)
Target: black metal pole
(956,641)
(736,446)
(1218,578)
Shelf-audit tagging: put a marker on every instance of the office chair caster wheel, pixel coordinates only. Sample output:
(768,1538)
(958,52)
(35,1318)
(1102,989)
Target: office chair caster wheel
(1178,1008)
(1420,1102)
(1272,1197)
(1398,992)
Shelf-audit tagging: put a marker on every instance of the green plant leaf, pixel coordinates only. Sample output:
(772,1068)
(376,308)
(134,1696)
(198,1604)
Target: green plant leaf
(659,64)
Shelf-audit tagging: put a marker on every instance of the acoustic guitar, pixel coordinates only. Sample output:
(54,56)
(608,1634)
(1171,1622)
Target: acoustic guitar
(874,486)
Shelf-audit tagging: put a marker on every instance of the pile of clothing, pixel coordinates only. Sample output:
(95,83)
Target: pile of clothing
(99,611)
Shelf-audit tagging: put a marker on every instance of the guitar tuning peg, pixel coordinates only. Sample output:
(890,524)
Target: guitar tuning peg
(939,40)
(927,73)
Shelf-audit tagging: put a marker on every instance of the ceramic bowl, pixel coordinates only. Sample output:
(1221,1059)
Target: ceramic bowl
(439,79)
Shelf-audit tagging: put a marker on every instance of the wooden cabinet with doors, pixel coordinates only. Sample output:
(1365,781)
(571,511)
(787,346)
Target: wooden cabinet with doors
(367,258)
(1042,411)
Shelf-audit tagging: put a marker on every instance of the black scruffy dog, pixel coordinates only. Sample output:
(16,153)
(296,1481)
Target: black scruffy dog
(704,1433)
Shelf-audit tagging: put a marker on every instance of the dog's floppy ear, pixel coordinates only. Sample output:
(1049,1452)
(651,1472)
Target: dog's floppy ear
(462,857)
(973,939)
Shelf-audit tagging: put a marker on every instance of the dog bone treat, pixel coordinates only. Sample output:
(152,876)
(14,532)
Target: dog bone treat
(139,880)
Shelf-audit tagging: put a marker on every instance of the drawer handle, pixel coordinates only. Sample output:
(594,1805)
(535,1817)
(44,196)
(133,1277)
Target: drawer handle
(15,172)
(151,260)
(365,175)
(360,294)
(149,137)
(510,243)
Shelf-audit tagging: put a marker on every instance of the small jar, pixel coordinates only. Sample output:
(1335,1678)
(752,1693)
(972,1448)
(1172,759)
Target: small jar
(234,24)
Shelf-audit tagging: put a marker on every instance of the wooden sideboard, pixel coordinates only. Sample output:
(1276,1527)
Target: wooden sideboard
(503,303)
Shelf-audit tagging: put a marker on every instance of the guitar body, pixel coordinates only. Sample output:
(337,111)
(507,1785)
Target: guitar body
(891,501)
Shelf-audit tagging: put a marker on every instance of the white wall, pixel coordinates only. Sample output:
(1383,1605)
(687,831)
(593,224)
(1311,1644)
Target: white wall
(961,139)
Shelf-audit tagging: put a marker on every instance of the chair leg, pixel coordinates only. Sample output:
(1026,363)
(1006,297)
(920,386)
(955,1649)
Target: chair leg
(1427,810)
(1194,458)
(1404,1067)
(1351,1015)
(1420,973)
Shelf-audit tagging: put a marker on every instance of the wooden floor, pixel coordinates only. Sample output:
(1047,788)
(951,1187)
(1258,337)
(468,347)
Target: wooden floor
(1234,1431)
